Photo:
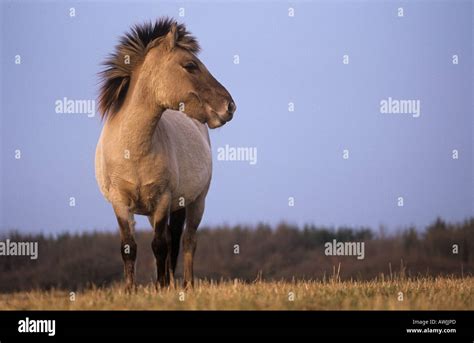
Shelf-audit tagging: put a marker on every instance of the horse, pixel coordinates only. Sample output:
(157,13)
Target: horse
(153,157)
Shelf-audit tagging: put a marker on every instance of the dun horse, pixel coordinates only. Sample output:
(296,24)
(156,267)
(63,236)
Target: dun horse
(152,159)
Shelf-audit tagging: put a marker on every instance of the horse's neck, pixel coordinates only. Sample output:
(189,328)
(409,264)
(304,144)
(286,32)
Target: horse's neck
(137,120)
(137,126)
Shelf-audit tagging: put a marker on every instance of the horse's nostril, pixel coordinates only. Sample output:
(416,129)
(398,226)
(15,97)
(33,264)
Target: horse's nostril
(231,107)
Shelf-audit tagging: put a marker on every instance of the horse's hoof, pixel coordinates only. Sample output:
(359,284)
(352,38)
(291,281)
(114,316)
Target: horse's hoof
(131,289)
(161,286)
(189,286)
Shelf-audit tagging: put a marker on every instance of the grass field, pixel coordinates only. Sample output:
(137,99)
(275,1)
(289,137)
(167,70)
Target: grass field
(416,294)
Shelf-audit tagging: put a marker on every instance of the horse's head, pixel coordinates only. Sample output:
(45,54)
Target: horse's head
(184,83)
(160,61)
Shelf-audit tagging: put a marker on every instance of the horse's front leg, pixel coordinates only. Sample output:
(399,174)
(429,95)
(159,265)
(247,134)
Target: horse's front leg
(161,243)
(128,246)
(194,213)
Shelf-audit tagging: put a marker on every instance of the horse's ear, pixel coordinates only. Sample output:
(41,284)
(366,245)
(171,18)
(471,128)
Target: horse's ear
(172,36)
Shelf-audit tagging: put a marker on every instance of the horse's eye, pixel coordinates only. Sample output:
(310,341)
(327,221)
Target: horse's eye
(190,66)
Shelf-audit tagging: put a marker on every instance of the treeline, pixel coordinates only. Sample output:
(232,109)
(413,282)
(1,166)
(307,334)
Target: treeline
(73,261)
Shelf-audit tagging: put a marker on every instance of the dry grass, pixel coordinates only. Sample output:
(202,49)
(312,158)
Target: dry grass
(418,294)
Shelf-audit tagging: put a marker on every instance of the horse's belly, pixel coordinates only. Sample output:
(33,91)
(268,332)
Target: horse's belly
(190,154)
(191,184)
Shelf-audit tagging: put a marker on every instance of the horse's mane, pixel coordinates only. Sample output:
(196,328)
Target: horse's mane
(132,48)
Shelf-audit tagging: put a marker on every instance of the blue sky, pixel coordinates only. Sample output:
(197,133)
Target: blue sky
(282,59)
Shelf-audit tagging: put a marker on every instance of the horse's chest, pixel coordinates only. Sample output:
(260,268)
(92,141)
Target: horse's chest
(143,197)
(140,193)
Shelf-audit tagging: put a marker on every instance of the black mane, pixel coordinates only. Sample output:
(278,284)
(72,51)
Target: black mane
(132,48)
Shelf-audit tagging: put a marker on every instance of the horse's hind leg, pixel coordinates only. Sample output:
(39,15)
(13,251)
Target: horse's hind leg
(194,212)
(128,246)
(177,219)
